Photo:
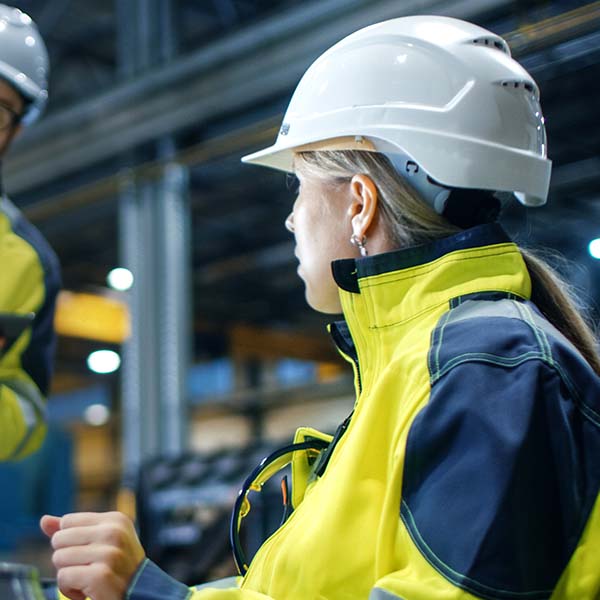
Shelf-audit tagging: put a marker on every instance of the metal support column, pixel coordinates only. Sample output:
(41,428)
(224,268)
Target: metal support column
(155,239)
(147,35)
(174,300)
(155,246)
(132,394)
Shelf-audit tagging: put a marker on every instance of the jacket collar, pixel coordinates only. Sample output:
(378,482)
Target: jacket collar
(398,286)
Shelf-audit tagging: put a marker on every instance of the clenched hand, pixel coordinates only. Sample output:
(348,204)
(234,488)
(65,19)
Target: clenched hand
(95,554)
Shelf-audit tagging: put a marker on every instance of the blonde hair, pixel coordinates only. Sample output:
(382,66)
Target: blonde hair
(410,221)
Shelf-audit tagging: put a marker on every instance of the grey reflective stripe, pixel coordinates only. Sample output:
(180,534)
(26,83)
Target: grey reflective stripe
(470,309)
(507,308)
(379,594)
(28,392)
(136,576)
(9,209)
(219,584)
(32,408)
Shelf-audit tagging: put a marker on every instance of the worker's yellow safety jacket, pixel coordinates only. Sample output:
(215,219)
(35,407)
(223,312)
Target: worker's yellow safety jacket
(29,283)
(471,465)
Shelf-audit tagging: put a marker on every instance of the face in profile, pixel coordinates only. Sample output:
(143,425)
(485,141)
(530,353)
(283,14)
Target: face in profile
(321,223)
(11,103)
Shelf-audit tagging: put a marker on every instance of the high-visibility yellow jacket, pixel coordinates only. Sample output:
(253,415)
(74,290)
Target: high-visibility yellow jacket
(471,465)
(29,282)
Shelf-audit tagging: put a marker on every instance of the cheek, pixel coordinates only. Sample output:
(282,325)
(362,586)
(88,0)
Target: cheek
(322,232)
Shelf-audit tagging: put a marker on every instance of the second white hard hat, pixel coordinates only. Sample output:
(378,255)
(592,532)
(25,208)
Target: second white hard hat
(24,60)
(436,91)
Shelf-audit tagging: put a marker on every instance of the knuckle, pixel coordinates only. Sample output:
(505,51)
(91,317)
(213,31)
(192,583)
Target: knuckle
(100,574)
(58,559)
(69,520)
(59,540)
(66,520)
(112,534)
(112,557)
(117,516)
(62,579)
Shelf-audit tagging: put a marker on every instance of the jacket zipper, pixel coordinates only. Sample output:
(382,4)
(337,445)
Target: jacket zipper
(348,353)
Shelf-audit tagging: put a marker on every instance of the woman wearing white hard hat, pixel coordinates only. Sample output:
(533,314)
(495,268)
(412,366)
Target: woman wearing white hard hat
(470,465)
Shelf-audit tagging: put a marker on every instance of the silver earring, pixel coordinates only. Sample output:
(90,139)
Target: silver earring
(360,243)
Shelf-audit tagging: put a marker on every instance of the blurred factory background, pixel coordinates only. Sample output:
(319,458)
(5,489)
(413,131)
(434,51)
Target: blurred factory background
(136,165)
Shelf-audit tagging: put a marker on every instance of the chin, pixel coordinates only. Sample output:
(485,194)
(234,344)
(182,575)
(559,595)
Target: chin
(327,306)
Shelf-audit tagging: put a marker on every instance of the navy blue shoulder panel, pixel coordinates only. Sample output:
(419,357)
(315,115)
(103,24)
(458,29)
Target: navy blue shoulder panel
(38,358)
(502,468)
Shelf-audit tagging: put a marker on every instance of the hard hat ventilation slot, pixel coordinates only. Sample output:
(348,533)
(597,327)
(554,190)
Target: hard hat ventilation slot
(519,85)
(492,42)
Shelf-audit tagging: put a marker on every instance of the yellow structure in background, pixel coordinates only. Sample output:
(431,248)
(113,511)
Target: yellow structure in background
(92,316)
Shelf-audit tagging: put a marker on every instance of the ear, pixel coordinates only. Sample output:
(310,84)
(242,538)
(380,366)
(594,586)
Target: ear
(363,207)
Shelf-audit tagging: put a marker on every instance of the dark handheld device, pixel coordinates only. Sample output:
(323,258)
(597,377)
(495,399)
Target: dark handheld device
(11,327)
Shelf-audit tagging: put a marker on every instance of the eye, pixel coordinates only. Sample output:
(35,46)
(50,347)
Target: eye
(292,183)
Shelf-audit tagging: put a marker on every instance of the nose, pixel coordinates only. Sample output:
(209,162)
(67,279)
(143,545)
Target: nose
(289,222)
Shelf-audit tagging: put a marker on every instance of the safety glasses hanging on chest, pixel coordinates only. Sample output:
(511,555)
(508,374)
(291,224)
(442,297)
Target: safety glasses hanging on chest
(268,467)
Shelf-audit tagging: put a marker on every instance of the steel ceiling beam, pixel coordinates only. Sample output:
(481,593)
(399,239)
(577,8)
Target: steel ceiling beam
(231,75)
(583,174)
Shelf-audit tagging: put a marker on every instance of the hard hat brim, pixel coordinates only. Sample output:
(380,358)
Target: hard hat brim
(432,148)
(274,157)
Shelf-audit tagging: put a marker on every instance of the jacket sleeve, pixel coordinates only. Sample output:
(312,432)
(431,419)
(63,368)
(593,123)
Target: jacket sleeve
(29,282)
(22,418)
(498,484)
(152,583)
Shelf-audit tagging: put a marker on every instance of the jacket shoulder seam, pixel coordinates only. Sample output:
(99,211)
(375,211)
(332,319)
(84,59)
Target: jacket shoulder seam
(543,354)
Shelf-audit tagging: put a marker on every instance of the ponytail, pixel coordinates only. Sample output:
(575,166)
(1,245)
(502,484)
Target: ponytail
(550,293)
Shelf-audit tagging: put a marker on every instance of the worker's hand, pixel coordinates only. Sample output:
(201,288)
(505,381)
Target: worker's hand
(95,554)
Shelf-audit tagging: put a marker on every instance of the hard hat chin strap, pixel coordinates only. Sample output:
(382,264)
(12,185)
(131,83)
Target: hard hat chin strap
(433,193)
(461,206)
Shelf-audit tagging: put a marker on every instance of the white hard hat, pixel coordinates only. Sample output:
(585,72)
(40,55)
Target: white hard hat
(432,93)
(24,60)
